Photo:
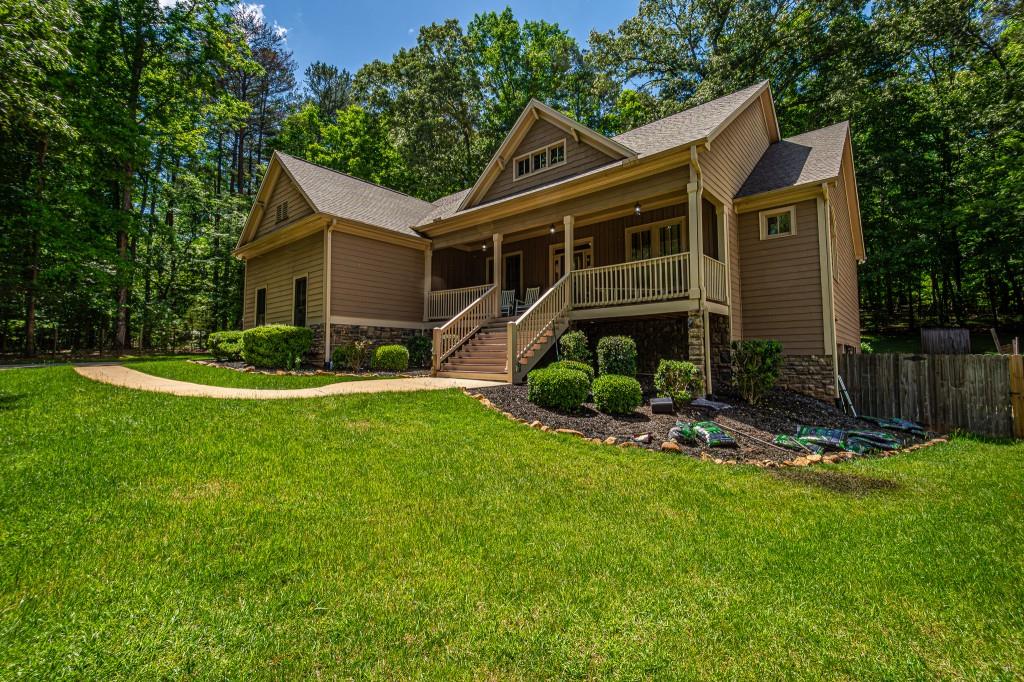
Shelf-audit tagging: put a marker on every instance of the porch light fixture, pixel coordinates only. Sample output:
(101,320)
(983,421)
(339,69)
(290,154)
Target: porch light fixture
(485,246)
(636,209)
(551,229)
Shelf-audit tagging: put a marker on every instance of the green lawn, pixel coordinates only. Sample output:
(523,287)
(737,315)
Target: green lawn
(182,370)
(421,535)
(910,342)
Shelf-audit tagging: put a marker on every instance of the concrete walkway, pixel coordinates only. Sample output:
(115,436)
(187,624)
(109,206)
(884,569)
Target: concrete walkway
(125,377)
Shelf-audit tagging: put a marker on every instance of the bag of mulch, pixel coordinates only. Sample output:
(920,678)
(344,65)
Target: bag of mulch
(861,447)
(897,424)
(880,439)
(831,439)
(704,433)
(797,444)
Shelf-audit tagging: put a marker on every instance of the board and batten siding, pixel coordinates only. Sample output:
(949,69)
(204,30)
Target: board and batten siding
(726,166)
(376,280)
(298,207)
(847,301)
(277,270)
(781,283)
(579,158)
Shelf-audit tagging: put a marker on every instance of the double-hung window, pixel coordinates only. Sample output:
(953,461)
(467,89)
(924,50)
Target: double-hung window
(261,306)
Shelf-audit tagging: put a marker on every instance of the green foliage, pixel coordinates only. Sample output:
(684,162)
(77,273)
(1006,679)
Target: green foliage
(390,358)
(678,379)
(226,344)
(276,345)
(557,388)
(756,364)
(352,356)
(866,347)
(575,366)
(617,394)
(421,350)
(573,346)
(616,355)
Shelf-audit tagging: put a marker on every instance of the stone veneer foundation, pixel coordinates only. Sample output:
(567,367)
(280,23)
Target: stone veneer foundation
(378,336)
(656,338)
(809,374)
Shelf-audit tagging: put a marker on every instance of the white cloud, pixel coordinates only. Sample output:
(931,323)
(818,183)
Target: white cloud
(252,9)
(168,4)
(280,31)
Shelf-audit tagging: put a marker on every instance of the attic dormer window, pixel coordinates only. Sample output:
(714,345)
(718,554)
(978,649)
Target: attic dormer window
(540,159)
(282,211)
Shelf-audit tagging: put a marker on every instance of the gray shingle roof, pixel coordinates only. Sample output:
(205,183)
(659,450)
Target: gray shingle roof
(814,156)
(344,196)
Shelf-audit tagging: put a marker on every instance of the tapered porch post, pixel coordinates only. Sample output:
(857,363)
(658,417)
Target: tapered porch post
(428,264)
(497,262)
(570,232)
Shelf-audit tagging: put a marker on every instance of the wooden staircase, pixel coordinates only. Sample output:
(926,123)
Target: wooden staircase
(483,356)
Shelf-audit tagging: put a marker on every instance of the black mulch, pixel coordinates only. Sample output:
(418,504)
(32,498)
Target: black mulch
(782,412)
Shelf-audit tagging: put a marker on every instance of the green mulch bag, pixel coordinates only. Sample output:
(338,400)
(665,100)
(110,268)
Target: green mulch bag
(880,439)
(896,424)
(702,433)
(797,444)
(820,435)
(861,447)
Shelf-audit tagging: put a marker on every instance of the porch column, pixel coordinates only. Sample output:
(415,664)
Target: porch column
(497,262)
(695,244)
(428,257)
(570,232)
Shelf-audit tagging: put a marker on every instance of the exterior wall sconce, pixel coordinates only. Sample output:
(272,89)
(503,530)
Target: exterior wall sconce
(484,246)
(551,230)
(636,209)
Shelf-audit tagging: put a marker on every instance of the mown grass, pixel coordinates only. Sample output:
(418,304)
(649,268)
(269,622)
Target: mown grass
(420,535)
(182,370)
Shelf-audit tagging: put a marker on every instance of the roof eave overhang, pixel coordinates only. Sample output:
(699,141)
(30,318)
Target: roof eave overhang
(773,197)
(274,169)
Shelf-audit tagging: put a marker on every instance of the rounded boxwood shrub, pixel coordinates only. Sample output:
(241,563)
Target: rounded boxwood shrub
(573,346)
(577,366)
(420,351)
(756,365)
(617,394)
(276,345)
(678,379)
(616,355)
(557,388)
(225,345)
(390,358)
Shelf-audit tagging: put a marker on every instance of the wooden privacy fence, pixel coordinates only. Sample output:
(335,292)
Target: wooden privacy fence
(944,341)
(983,394)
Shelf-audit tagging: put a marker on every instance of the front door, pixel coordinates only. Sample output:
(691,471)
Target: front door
(582,258)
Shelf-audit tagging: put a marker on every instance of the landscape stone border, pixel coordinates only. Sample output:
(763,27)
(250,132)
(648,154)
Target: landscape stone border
(671,446)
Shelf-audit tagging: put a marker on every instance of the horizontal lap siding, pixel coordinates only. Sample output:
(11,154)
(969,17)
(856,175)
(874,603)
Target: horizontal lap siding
(284,190)
(277,271)
(579,158)
(376,280)
(781,283)
(847,301)
(732,157)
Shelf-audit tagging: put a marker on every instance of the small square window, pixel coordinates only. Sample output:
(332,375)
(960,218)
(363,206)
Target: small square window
(778,222)
(540,160)
(556,154)
(523,167)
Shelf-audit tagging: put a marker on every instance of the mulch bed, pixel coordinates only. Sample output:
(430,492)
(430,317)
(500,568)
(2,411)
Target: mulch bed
(782,412)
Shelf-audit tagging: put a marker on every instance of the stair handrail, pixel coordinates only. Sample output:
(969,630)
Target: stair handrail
(456,331)
(542,315)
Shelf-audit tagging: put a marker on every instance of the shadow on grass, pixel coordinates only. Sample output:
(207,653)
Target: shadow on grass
(9,401)
(837,481)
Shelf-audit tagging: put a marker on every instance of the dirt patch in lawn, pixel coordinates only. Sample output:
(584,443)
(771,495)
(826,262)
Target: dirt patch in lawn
(752,427)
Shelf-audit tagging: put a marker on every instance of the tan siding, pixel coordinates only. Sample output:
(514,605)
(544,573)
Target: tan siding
(277,271)
(375,279)
(735,152)
(579,158)
(735,270)
(845,285)
(284,190)
(781,283)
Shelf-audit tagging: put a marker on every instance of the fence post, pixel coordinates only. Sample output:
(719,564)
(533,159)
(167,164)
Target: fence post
(1017,394)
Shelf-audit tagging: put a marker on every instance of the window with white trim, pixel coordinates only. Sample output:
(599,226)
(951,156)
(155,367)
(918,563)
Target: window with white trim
(659,239)
(778,222)
(539,160)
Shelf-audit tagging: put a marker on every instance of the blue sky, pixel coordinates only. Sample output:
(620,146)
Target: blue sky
(350,34)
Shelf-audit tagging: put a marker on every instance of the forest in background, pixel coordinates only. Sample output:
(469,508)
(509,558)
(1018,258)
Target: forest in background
(135,133)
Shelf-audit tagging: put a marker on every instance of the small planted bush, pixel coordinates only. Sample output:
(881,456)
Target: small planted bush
(352,356)
(617,394)
(225,345)
(756,365)
(276,345)
(678,379)
(576,366)
(391,358)
(557,388)
(616,355)
(420,351)
(573,346)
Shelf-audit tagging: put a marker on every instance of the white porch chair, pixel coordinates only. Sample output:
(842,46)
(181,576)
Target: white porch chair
(532,294)
(508,301)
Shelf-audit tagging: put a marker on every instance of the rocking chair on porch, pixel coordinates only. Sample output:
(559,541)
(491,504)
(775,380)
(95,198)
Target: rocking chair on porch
(532,294)
(508,302)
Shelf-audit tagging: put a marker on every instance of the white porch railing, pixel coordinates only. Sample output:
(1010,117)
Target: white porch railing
(455,332)
(714,279)
(641,281)
(542,316)
(447,303)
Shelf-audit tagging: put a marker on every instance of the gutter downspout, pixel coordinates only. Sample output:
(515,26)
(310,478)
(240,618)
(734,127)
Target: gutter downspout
(327,290)
(695,191)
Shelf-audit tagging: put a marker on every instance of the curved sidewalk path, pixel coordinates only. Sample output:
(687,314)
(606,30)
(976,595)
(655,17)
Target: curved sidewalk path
(125,377)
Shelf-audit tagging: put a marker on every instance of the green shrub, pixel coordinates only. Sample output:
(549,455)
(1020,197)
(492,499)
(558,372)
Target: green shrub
(576,366)
(616,355)
(352,356)
(276,345)
(573,346)
(557,388)
(617,394)
(756,365)
(225,345)
(866,347)
(678,379)
(390,358)
(421,351)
